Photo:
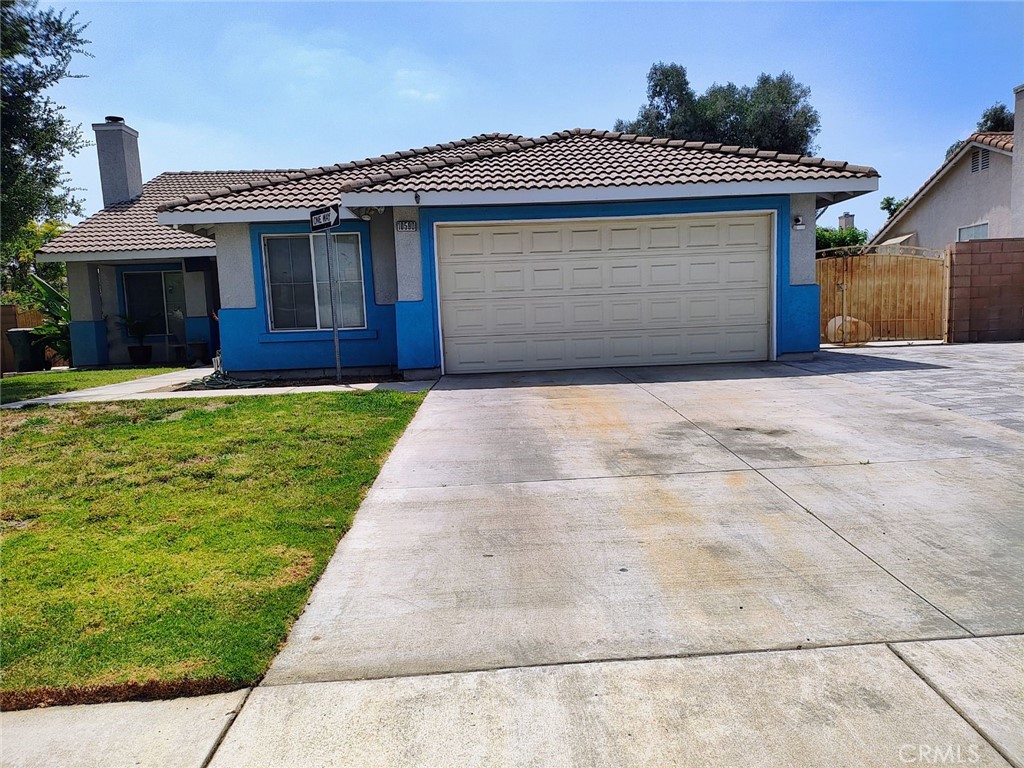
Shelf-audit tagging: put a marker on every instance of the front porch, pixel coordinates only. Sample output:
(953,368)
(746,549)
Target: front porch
(137,311)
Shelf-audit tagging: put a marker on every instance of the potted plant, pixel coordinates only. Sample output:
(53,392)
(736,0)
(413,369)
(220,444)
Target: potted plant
(138,328)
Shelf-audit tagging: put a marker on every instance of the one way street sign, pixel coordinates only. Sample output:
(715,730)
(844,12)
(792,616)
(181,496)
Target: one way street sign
(324,218)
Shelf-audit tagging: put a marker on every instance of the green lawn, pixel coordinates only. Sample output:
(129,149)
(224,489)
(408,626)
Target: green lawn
(28,385)
(173,540)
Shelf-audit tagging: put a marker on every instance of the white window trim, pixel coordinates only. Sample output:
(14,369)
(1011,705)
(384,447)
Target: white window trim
(316,300)
(971,226)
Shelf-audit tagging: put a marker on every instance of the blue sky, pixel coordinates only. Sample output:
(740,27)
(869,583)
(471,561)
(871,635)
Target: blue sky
(269,85)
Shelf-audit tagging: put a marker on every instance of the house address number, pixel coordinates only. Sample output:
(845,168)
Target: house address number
(405,226)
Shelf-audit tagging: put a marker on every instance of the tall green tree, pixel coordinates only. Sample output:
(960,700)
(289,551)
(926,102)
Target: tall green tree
(37,47)
(775,113)
(997,118)
(20,264)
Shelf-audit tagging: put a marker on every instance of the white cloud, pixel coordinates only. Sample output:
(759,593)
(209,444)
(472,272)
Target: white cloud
(419,85)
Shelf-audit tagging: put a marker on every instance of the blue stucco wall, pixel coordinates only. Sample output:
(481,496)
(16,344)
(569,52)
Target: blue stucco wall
(248,344)
(796,306)
(89,342)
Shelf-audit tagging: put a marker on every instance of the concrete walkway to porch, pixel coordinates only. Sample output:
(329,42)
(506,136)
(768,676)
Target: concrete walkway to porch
(160,388)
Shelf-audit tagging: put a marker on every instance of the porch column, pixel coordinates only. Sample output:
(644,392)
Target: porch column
(88,330)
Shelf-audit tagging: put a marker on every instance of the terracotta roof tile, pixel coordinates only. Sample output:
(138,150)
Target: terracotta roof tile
(316,187)
(580,158)
(998,139)
(584,159)
(132,225)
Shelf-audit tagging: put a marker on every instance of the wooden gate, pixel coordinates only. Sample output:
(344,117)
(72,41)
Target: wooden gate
(882,293)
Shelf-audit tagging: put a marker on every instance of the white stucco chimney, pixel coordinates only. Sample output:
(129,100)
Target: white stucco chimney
(846,220)
(117,147)
(1017,178)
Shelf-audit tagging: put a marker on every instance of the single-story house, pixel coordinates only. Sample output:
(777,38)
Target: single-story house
(581,248)
(967,198)
(976,194)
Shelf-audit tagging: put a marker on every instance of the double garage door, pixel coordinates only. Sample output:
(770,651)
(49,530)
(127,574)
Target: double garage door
(609,292)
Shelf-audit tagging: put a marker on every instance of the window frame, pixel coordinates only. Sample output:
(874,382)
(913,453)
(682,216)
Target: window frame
(316,301)
(959,230)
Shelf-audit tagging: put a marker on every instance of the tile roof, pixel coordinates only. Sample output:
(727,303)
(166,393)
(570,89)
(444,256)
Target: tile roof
(587,158)
(316,187)
(998,139)
(578,158)
(132,225)
(1002,140)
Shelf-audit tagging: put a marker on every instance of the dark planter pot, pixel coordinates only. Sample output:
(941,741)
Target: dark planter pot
(199,351)
(141,355)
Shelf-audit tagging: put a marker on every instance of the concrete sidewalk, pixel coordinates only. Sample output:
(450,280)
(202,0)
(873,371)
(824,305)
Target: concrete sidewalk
(152,388)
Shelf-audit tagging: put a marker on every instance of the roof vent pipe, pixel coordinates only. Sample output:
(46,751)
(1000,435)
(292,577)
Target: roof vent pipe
(117,148)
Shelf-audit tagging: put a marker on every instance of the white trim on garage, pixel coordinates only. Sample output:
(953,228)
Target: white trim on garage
(769,300)
(610,193)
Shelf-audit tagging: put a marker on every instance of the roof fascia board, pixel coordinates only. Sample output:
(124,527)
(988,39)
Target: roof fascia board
(255,216)
(159,254)
(940,174)
(610,194)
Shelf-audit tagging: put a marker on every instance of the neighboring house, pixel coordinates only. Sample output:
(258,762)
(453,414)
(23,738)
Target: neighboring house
(967,198)
(976,194)
(498,252)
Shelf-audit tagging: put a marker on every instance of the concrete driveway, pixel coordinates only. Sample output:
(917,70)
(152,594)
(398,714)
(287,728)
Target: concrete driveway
(758,564)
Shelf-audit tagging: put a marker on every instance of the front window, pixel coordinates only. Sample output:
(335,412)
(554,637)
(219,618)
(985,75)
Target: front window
(973,232)
(299,290)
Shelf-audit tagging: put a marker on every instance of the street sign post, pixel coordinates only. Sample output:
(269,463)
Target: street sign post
(322,220)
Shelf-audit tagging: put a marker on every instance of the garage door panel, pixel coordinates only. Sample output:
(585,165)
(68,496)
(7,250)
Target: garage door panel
(610,234)
(602,274)
(546,295)
(543,352)
(622,313)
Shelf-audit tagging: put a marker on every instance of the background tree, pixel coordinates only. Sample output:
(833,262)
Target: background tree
(891,205)
(774,113)
(828,237)
(37,47)
(995,119)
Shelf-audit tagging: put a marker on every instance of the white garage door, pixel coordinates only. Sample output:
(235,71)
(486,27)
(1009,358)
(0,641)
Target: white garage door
(547,295)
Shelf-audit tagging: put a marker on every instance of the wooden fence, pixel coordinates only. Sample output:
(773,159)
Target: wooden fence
(876,293)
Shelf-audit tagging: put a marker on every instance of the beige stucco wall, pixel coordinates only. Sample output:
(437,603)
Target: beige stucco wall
(234,267)
(959,199)
(801,241)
